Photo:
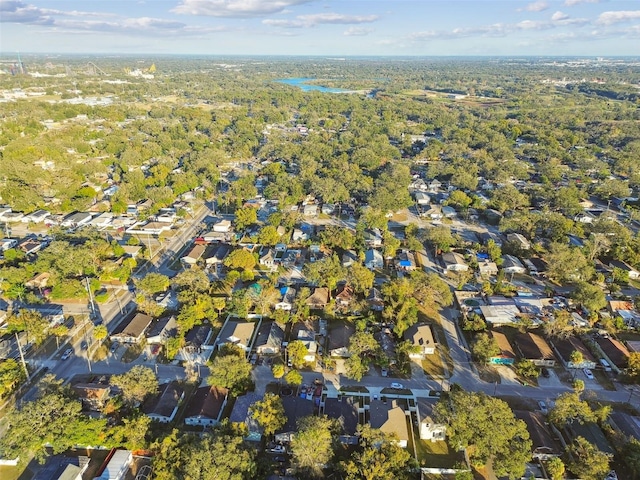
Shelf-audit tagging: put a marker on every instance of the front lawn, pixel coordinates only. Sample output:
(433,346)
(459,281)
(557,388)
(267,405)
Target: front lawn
(436,454)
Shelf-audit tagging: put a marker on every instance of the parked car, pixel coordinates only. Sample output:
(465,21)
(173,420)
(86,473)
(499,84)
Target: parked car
(545,372)
(114,346)
(67,353)
(397,386)
(588,374)
(543,407)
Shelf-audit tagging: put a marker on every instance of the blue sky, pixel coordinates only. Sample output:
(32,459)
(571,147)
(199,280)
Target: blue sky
(321,27)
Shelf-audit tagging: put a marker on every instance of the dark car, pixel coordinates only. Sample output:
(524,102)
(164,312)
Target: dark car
(545,372)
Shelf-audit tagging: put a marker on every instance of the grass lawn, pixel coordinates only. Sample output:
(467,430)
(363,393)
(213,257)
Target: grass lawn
(488,374)
(13,473)
(132,352)
(440,337)
(432,365)
(435,454)
(604,380)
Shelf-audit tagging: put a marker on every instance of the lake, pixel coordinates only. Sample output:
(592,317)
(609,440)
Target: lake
(302,84)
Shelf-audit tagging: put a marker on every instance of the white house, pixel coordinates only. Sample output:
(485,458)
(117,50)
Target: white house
(288,295)
(454,262)
(487,269)
(422,198)
(118,466)
(223,226)
(511,264)
(373,259)
(429,428)
(238,333)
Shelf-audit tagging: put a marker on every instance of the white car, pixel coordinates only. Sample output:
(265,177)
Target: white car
(588,374)
(67,353)
(397,386)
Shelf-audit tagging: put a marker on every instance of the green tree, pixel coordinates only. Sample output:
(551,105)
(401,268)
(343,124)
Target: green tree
(337,237)
(470,418)
(568,264)
(293,377)
(569,408)
(296,351)
(379,458)
(325,273)
(360,278)
(59,331)
(269,413)
(590,296)
(268,235)
(313,444)
(576,357)
(11,375)
(631,456)
(587,461)
(154,283)
(555,467)
(356,367)
(246,217)
(215,456)
(527,368)
(136,384)
(278,370)
(240,258)
(485,347)
(31,322)
(232,372)
(100,332)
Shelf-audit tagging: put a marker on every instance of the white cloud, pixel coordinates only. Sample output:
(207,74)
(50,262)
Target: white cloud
(536,6)
(357,31)
(558,16)
(305,21)
(609,18)
(572,3)
(532,25)
(235,8)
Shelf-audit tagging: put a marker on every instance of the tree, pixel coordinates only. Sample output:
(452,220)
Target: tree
(590,296)
(269,413)
(555,468)
(246,217)
(216,456)
(471,418)
(474,323)
(293,377)
(560,326)
(337,237)
(278,370)
(59,331)
(100,332)
(569,408)
(154,283)
(268,235)
(192,280)
(459,200)
(568,264)
(230,371)
(633,366)
(31,322)
(136,384)
(240,258)
(576,358)
(440,238)
(587,461)
(485,347)
(578,386)
(11,375)
(296,351)
(360,278)
(379,458)
(631,456)
(312,446)
(356,367)
(527,368)
(326,272)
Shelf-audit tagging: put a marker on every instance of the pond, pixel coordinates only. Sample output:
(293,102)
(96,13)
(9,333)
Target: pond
(303,84)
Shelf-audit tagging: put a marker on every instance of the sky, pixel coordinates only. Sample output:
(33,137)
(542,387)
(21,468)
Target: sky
(322,27)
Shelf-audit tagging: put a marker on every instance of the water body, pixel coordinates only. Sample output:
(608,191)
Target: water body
(302,84)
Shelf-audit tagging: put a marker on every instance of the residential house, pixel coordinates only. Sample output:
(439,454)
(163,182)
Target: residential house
(519,241)
(294,408)
(422,198)
(564,348)
(592,433)
(222,226)
(511,264)
(206,406)
(39,281)
(390,417)
(241,415)
(7,243)
(344,296)
(487,269)
(434,185)
(310,210)
(449,212)
(62,467)
(387,342)
(616,353)
(268,258)
(373,259)
(428,427)
(406,261)
(373,238)
(30,245)
(535,348)
(318,299)
(421,337)
(345,410)
(103,220)
(339,337)
(131,330)
(349,258)
(541,266)
(633,273)
(454,262)
(162,330)
(375,300)
(269,339)
(238,333)
(543,442)
(148,228)
(307,335)
(38,216)
(287,298)
(196,347)
(299,235)
(93,396)
(506,356)
(191,258)
(76,219)
(116,465)
(164,406)
(218,254)
(132,250)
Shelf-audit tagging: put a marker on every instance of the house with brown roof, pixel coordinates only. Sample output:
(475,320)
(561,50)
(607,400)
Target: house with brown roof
(390,417)
(191,258)
(344,296)
(164,406)
(132,330)
(421,337)
(543,443)
(339,337)
(536,349)
(614,350)
(506,356)
(564,349)
(93,396)
(318,299)
(206,406)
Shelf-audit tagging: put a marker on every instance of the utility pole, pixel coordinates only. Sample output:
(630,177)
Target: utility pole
(24,364)
(91,305)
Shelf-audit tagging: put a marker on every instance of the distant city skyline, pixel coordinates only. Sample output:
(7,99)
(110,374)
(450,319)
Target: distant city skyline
(317,27)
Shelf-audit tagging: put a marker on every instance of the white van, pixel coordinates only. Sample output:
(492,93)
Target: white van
(605,365)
